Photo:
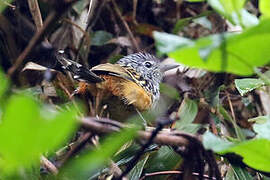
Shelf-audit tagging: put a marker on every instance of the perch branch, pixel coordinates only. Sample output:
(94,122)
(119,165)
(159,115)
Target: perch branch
(108,126)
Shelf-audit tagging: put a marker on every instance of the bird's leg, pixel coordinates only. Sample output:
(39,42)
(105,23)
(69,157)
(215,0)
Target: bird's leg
(144,122)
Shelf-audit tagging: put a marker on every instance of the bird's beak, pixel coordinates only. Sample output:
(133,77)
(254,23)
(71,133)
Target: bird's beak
(166,67)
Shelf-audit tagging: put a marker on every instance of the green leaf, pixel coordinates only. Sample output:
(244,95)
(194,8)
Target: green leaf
(136,172)
(168,42)
(264,6)
(241,173)
(265,177)
(262,126)
(238,131)
(203,21)
(187,113)
(233,53)
(247,19)
(28,130)
(237,173)
(210,141)
(265,77)
(165,159)
(255,152)
(79,7)
(230,174)
(100,38)
(169,91)
(3,4)
(212,96)
(248,84)
(181,23)
(234,12)
(87,164)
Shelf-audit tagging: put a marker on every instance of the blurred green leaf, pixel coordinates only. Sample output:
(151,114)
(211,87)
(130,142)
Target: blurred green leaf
(233,53)
(210,141)
(259,119)
(187,113)
(227,6)
(262,126)
(204,22)
(234,12)
(28,130)
(3,4)
(248,84)
(168,42)
(136,172)
(169,91)
(264,6)
(87,164)
(265,77)
(208,45)
(247,19)
(180,24)
(100,38)
(191,128)
(254,152)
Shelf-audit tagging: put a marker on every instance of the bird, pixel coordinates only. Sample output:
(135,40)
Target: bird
(130,85)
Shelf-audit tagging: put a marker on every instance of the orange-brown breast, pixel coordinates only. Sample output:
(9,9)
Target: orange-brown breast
(127,91)
(117,83)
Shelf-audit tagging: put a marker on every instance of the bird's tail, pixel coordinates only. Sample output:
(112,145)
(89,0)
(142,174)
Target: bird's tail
(78,71)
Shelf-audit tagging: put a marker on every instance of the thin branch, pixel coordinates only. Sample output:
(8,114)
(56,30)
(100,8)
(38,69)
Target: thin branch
(172,172)
(76,148)
(48,165)
(131,36)
(35,39)
(36,15)
(135,3)
(230,104)
(85,34)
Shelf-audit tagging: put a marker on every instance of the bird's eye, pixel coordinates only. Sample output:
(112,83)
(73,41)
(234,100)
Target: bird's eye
(148,64)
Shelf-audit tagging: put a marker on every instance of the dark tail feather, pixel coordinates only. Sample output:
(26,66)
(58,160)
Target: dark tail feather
(78,71)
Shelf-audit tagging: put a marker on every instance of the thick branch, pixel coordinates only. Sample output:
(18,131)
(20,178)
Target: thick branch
(99,126)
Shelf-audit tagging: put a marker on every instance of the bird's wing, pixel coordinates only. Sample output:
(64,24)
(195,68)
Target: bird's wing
(113,70)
